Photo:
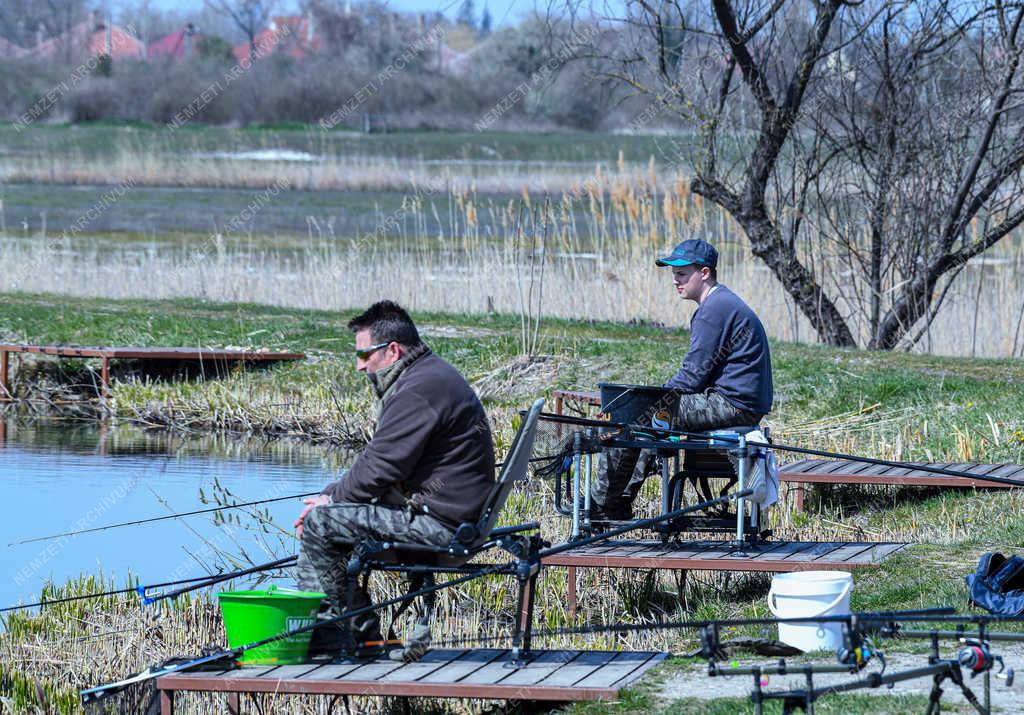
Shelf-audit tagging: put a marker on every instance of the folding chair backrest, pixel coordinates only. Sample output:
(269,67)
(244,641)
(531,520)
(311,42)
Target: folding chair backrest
(513,470)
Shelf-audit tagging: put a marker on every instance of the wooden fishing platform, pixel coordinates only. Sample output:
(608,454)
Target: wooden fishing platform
(841,471)
(717,555)
(553,675)
(165,354)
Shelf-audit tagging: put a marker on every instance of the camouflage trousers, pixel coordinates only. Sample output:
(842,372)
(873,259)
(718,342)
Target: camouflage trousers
(622,471)
(328,535)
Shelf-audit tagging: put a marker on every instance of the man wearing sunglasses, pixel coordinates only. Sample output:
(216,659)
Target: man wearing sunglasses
(428,468)
(725,379)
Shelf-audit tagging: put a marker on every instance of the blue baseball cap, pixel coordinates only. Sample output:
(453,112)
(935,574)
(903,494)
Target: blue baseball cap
(691,251)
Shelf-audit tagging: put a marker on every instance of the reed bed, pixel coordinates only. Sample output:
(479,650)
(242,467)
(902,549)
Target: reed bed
(588,254)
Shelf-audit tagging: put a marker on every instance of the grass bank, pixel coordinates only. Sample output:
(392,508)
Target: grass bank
(896,406)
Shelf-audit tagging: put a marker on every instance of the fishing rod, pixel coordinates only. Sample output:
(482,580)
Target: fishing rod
(199,581)
(101,692)
(871,617)
(670,434)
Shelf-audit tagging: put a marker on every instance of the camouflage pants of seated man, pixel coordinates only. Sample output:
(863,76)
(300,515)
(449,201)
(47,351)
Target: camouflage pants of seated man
(622,471)
(328,535)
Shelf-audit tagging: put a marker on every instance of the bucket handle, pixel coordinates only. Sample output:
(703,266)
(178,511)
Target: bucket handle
(845,592)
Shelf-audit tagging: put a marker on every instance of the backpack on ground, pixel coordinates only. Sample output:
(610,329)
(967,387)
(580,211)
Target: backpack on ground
(998,584)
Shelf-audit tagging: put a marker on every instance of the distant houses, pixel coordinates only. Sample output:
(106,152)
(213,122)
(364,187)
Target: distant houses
(180,45)
(293,35)
(88,39)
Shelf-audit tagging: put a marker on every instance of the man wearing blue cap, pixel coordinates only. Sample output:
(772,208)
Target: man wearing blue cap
(725,378)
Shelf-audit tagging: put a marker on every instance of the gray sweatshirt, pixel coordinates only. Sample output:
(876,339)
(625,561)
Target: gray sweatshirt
(728,353)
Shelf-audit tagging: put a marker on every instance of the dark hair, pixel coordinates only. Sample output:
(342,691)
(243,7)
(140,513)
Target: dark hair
(388,323)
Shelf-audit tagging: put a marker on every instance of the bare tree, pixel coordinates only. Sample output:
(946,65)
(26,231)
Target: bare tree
(881,136)
(248,15)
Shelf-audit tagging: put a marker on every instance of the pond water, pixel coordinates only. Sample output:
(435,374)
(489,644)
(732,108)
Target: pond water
(59,477)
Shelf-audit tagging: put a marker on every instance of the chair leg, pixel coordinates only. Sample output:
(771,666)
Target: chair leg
(524,622)
(352,571)
(426,615)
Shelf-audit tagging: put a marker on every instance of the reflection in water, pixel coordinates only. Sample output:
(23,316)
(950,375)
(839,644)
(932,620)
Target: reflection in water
(60,476)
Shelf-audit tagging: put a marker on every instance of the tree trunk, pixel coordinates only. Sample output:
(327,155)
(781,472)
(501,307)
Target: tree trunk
(767,244)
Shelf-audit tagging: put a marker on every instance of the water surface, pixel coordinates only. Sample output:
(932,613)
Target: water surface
(59,477)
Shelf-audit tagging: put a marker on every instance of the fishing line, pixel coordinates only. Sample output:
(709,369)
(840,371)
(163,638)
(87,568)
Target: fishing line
(160,518)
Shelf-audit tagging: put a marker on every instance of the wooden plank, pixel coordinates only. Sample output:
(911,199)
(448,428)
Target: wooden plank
(285,672)
(331,672)
(431,661)
(849,468)
(469,663)
(540,668)
(373,670)
(582,666)
(624,664)
(496,670)
(254,672)
(848,552)
(760,552)
(1005,471)
(820,550)
(798,467)
(632,550)
(790,549)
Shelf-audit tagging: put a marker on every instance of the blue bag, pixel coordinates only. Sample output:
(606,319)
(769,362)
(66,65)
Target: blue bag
(998,584)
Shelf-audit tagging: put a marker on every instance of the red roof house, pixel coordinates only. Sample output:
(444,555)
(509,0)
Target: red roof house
(89,39)
(293,34)
(178,45)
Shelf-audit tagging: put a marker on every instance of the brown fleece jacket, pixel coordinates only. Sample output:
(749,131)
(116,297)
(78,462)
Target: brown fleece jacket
(433,443)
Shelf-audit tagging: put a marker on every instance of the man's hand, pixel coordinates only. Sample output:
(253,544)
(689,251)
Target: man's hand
(311,503)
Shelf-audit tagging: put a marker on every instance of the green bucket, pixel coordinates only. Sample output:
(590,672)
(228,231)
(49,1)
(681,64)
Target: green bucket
(251,616)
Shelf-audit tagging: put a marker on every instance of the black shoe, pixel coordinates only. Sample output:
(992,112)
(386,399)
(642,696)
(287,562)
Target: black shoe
(329,640)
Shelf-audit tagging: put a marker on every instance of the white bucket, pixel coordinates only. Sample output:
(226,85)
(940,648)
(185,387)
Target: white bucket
(806,594)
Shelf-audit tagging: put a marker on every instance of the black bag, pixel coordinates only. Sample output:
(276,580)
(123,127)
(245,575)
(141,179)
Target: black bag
(998,584)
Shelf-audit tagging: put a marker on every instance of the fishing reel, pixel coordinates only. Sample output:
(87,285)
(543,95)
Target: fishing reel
(857,649)
(977,657)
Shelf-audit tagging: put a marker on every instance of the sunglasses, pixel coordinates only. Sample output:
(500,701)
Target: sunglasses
(364,353)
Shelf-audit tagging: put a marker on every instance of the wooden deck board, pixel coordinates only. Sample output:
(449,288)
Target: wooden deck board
(469,663)
(372,671)
(432,661)
(622,670)
(540,668)
(581,667)
(822,471)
